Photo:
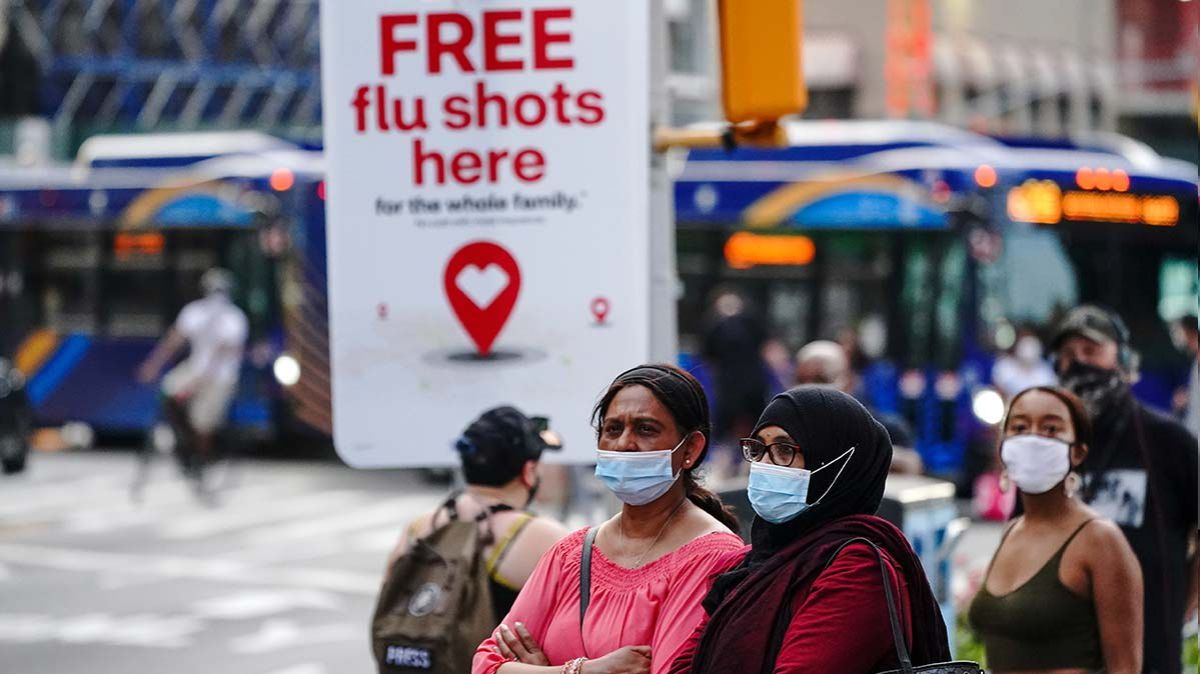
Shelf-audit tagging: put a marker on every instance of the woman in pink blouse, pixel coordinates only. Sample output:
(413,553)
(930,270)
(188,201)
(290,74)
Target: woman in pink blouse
(650,564)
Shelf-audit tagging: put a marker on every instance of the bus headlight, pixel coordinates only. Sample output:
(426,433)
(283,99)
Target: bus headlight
(286,369)
(988,405)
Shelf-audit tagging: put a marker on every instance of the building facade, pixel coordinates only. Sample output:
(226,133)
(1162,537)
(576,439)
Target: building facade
(1017,67)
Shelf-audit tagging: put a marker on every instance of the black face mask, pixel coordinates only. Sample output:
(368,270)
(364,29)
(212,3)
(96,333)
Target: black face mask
(1099,388)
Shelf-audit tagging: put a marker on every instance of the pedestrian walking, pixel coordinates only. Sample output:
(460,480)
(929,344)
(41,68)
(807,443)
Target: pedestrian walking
(198,391)
(622,598)
(810,594)
(1141,473)
(1064,590)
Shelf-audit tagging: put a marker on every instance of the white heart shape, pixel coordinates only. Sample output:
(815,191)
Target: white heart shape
(482,285)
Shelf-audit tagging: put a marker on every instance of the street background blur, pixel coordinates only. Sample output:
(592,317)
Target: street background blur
(964,173)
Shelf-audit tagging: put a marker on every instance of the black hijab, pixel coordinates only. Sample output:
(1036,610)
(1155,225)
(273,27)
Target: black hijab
(745,601)
(825,423)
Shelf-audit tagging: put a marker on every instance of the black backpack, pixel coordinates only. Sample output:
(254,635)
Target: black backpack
(435,607)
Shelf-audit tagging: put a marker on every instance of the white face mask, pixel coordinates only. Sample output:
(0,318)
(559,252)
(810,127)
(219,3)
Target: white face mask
(1036,463)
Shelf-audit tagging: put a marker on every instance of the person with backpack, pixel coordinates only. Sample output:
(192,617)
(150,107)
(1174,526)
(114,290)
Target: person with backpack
(429,616)
(623,597)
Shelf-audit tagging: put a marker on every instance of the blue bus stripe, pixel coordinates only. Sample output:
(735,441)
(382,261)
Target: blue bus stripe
(57,369)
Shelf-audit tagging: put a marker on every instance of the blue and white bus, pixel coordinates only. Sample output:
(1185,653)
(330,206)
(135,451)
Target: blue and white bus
(933,243)
(929,240)
(99,256)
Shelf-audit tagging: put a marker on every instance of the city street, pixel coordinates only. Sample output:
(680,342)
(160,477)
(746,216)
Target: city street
(280,579)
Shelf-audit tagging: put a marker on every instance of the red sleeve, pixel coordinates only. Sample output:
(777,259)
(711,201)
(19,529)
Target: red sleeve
(841,623)
(683,663)
(687,650)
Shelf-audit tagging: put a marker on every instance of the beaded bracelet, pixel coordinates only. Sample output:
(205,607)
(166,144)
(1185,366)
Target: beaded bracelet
(574,666)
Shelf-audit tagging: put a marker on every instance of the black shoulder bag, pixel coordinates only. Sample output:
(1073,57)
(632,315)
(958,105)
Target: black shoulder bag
(585,579)
(906,665)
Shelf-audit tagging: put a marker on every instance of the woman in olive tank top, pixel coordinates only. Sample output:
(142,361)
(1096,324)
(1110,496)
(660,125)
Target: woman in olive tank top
(1063,592)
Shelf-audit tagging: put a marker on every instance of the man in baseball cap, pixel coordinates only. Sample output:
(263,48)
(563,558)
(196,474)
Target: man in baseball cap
(1141,473)
(500,453)
(502,443)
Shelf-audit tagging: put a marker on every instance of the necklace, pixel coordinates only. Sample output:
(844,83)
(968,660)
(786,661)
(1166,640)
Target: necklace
(661,531)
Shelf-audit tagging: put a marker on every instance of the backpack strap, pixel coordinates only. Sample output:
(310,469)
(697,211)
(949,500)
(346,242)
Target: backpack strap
(585,575)
(502,546)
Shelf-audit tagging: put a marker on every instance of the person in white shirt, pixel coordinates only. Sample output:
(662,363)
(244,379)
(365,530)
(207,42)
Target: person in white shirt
(200,388)
(1024,367)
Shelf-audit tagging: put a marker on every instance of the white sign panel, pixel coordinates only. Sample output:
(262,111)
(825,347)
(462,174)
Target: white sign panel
(488,197)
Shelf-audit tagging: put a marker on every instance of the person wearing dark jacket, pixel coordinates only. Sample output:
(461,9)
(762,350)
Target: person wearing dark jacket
(1141,473)
(798,601)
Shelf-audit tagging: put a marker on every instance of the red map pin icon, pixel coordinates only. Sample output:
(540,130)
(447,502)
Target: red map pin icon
(482,281)
(600,309)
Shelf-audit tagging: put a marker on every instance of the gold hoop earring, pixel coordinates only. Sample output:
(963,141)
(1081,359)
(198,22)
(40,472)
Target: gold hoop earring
(1072,483)
(1005,484)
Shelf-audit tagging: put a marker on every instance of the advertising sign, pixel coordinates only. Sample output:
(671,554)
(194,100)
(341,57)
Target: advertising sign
(487,205)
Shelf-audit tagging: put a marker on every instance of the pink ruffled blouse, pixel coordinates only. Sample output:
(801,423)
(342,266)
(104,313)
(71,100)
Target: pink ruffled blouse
(656,605)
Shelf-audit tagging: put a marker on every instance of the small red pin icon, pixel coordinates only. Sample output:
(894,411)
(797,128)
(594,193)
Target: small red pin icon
(600,309)
(482,281)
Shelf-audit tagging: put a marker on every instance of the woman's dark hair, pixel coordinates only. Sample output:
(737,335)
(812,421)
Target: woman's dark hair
(1080,421)
(684,398)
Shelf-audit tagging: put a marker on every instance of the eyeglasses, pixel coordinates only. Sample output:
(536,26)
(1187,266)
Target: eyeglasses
(780,453)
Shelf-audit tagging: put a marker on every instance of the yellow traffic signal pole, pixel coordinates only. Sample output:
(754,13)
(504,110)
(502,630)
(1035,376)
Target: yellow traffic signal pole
(762,76)
(762,80)
(728,136)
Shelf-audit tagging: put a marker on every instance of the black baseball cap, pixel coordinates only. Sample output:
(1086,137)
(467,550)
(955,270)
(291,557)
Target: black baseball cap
(1092,322)
(495,447)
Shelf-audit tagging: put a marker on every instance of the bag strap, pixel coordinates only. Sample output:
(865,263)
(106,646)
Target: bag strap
(585,575)
(906,665)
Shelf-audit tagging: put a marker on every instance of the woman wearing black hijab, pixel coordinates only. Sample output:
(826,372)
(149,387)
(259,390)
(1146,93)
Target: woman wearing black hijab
(792,605)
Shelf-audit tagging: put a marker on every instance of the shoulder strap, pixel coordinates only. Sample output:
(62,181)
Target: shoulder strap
(1003,537)
(585,575)
(1075,533)
(906,665)
(500,550)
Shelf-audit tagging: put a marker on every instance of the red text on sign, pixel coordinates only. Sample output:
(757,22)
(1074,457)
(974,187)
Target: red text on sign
(448,35)
(468,167)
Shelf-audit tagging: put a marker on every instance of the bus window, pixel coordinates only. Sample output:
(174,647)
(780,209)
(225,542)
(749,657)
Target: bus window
(916,299)
(789,306)
(1178,287)
(135,291)
(948,314)
(68,286)
(1032,281)
(855,268)
(193,251)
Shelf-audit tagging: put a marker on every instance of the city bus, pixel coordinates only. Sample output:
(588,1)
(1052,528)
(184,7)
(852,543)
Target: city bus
(925,243)
(99,256)
(923,246)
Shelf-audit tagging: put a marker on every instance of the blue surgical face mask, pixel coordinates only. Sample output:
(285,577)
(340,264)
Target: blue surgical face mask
(637,478)
(779,494)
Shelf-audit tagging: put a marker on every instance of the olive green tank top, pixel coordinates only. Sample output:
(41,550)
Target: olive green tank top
(1039,625)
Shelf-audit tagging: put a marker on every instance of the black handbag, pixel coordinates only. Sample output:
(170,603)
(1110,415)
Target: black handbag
(906,665)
